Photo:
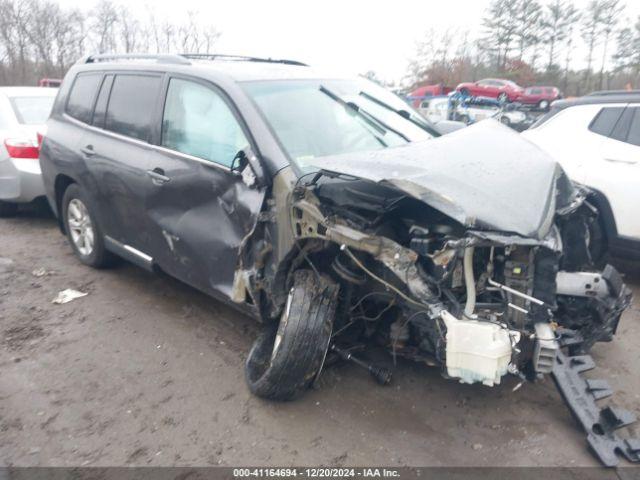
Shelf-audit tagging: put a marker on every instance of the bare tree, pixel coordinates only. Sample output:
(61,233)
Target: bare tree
(128,29)
(609,20)
(557,23)
(591,25)
(103,22)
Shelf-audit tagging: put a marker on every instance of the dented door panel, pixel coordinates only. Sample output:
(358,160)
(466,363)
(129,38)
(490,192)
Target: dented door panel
(200,217)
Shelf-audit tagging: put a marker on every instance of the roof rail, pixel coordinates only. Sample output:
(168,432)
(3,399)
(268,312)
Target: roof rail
(602,93)
(239,58)
(159,58)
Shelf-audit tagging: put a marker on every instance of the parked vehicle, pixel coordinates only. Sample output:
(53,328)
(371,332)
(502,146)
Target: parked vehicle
(597,141)
(435,109)
(503,90)
(427,91)
(50,82)
(23,113)
(335,214)
(470,110)
(540,97)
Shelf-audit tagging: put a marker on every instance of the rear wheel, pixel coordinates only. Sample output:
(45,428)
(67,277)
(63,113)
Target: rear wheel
(83,232)
(284,361)
(8,209)
(543,105)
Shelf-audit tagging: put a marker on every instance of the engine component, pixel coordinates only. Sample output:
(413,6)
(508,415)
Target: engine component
(582,284)
(469,282)
(546,349)
(380,374)
(478,351)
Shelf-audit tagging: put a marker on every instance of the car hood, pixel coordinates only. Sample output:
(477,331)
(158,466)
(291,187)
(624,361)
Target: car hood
(485,177)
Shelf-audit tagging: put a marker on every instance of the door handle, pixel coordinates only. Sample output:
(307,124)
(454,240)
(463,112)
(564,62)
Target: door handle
(617,160)
(88,151)
(157,176)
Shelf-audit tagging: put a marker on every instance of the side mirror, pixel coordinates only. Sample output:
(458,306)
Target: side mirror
(246,165)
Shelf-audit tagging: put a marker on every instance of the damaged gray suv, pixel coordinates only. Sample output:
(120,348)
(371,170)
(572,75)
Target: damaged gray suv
(341,219)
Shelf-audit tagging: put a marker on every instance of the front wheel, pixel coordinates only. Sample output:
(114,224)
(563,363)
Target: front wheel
(284,361)
(82,229)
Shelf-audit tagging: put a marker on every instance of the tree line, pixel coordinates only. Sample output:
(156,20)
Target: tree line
(41,39)
(531,42)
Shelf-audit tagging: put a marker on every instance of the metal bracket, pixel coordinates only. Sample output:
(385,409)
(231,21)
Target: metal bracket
(581,395)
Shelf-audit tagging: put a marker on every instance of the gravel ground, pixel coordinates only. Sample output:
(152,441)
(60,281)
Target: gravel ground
(147,371)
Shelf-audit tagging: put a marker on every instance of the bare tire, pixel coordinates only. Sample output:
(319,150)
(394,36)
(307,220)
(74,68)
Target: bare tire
(82,229)
(8,209)
(284,361)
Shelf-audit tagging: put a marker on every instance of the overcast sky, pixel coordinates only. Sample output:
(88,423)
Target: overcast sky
(350,35)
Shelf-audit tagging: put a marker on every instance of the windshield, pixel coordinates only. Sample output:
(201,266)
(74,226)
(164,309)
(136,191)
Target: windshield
(32,110)
(317,118)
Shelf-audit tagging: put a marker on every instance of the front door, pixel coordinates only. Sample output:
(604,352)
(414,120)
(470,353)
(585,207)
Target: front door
(203,211)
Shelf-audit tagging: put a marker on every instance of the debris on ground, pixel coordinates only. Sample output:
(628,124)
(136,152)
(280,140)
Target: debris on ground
(65,296)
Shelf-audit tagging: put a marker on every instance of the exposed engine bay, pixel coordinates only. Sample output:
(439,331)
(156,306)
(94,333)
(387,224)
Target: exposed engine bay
(479,304)
(426,261)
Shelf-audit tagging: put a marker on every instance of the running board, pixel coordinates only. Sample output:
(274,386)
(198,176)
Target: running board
(600,424)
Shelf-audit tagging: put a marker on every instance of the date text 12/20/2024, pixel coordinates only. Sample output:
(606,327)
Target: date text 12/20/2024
(316,472)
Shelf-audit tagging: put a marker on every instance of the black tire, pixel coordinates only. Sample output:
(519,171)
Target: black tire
(8,209)
(99,257)
(543,105)
(303,337)
(598,242)
(503,97)
(505,120)
(465,92)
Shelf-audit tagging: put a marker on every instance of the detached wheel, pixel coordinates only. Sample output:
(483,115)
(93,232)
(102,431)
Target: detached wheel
(284,361)
(8,209)
(83,232)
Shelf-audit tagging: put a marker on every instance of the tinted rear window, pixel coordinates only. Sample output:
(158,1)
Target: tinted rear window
(606,120)
(132,105)
(32,110)
(83,92)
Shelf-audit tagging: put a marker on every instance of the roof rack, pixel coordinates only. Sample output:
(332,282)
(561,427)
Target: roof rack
(159,58)
(240,58)
(182,58)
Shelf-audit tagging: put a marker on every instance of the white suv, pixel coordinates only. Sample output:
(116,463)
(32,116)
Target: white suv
(597,141)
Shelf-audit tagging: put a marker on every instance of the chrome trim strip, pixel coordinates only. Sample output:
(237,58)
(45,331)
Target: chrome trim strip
(138,253)
(134,251)
(150,146)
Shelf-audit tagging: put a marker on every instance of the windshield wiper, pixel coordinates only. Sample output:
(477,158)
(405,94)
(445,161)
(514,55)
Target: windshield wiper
(403,113)
(374,122)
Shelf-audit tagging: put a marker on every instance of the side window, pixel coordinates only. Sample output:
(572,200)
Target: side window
(621,128)
(198,122)
(605,120)
(132,105)
(83,92)
(634,130)
(101,103)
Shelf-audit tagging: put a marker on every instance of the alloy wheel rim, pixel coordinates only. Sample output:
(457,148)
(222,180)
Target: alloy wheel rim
(80,227)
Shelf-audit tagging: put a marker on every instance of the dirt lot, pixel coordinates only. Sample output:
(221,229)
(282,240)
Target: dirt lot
(147,371)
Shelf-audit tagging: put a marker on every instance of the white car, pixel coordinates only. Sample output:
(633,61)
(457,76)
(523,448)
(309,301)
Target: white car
(435,109)
(596,139)
(23,113)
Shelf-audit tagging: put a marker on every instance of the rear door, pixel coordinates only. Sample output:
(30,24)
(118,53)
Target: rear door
(117,154)
(202,213)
